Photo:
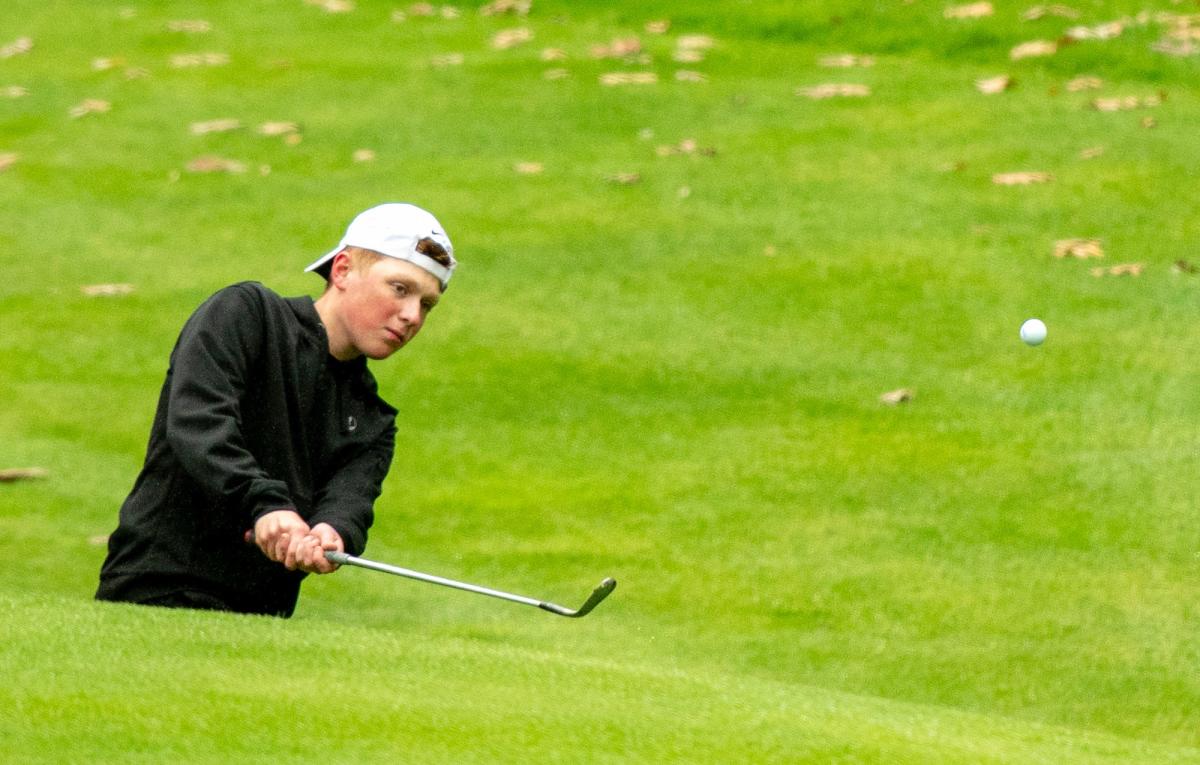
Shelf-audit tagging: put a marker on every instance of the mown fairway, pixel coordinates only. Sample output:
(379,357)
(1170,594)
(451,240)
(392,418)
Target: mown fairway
(686,283)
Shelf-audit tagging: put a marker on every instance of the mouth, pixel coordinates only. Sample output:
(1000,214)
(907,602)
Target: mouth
(394,337)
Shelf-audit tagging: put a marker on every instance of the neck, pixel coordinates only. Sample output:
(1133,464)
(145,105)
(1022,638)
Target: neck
(340,346)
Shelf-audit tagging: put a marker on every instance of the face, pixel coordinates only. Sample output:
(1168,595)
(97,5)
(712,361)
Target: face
(380,308)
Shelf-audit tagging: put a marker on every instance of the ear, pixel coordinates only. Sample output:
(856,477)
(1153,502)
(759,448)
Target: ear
(339,269)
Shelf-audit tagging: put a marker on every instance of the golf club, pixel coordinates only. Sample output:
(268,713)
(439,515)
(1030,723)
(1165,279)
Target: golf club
(598,594)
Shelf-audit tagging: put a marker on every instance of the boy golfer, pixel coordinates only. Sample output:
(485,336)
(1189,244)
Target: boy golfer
(270,429)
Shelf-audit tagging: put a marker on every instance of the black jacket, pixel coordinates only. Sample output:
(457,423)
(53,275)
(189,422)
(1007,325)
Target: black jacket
(255,415)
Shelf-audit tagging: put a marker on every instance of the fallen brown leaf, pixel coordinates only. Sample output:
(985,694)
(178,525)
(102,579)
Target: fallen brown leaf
(660,27)
(215,126)
(528,168)
(13,91)
(898,396)
(511,38)
(1042,11)
(1033,48)
(7,160)
(624,179)
(99,540)
(16,47)
(1125,103)
(106,290)
(277,128)
(628,78)
(846,61)
(1078,248)
(214,164)
(835,90)
(1176,48)
(447,59)
(10,475)
(1106,31)
(363,155)
(104,64)
(695,42)
(1124,269)
(1149,122)
(1091,152)
(191,26)
(515,7)
(685,75)
(553,54)
(1184,267)
(190,60)
(90,106)
(332,6)
(1084,83)
(997,84)
(969,11)
(1021,178)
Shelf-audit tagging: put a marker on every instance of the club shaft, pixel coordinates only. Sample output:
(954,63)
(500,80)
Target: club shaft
(344,559)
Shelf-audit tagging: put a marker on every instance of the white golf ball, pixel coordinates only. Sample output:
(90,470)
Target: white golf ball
(1033,331)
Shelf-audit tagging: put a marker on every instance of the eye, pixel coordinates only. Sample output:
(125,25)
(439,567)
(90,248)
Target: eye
(401,288)
(427,305)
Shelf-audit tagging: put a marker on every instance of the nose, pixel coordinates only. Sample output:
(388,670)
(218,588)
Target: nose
(410,313)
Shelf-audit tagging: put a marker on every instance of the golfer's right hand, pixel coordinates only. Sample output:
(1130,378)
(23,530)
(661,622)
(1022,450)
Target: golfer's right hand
(279,532)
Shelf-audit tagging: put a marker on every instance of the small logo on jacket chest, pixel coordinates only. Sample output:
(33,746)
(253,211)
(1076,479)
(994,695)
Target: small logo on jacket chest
(351,423)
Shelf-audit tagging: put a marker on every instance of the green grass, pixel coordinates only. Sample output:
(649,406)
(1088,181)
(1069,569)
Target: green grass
(674,382)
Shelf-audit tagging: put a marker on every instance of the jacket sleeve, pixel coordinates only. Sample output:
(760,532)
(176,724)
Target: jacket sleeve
(209,371)
(346,501)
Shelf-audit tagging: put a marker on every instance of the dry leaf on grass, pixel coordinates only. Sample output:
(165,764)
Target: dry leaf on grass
(17,47)
(1149,122)
(621,47)
(446,60)
(695,42)
(1184,267)
(511,38)
(191,60)
(1042,11)
(659,27)
(104,64)
(1176,48)
(624,179)
(1091,152)
(1021,178)
(556,74)
(332,6)
(1106,31)
(835,90)
(553,54)
(1126,103)
(499,7)
(106,290)
(213,164)
(10,475)
(997,84)
(846,61)
(277,128)
(628,78)
(13,91)
(363,155)
(1078,248)
(1124,269)
(898,396)
(686,146)
(686,75)
(7,160)
(191,26)
(969,11)
(215,126)
(90,106)
(528,168)
(1084,83)
(1032,49)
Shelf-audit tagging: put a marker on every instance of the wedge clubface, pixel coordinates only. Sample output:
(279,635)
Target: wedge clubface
(598,594)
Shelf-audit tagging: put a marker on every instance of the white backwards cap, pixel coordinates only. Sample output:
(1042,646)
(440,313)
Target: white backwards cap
(394,229)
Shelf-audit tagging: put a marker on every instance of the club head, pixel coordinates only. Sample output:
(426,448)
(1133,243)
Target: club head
(600,593)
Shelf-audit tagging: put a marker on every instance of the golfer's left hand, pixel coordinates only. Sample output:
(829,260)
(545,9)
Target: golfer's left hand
(309,552)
